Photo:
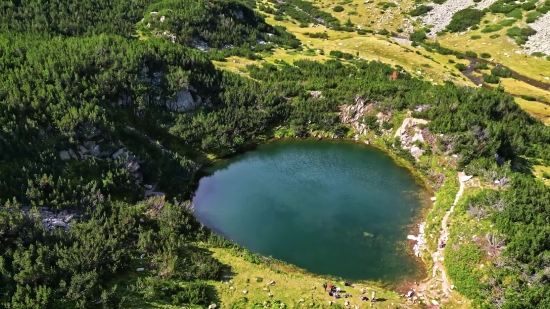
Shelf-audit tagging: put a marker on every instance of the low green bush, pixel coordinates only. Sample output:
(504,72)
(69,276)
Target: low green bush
(520,34)
(418,36)
(485,55)
(338,8)
(465,19)
(538,54)
(501,72)
(420,10)
(528,97)
(507,22)
(475,37)
(481,66)
(470,53)
(532,17)
(461,66)
(491,79)
(528,6)
(544,8)
(494,36)
(387,5)
(516,13)
(491,28)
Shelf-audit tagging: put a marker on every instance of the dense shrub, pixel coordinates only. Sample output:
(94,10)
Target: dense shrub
(528,97)
(470,53)
(516,13)
(485,55)
(475,37)
(507,22)
(418,36)
(544,8)
(501,72)
(481,66)
(520,34)
(491,28)
(491,79)
(339,54)
(461,66)
(338,8)
(528,6)
(532,17)
(464,19)
(420,10)
(503,6)
(317,35)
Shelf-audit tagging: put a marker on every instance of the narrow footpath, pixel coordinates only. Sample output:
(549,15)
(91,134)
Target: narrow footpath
(430,289)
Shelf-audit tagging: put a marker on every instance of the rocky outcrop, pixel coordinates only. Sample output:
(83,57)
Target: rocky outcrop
(183,102)
(540,41)
(352,114)
(50,220)
(420,240)
(409,133)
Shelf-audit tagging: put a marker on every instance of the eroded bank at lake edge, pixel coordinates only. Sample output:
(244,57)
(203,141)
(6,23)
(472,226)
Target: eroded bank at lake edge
(323,230)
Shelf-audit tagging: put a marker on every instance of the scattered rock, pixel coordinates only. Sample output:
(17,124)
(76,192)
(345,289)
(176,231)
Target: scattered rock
(73,154)
(540,41)
(119,153)
(64,154)
(96,151)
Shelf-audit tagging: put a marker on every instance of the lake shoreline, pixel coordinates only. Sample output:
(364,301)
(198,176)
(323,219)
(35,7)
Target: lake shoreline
(419,177)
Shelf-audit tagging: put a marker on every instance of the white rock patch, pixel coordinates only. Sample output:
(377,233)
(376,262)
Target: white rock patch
(442,14)
(540,42)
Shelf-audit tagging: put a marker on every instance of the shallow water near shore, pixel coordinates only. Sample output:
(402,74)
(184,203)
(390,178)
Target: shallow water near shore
(331,207)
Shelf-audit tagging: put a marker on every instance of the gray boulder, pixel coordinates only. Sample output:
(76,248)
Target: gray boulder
(96,151)
(119,153)
(182,102)
(73,154)
(64,154)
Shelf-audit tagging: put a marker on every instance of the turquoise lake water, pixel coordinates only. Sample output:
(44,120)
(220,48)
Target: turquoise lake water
(330,207)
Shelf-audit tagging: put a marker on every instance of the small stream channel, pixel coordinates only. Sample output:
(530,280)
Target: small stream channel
(478,80)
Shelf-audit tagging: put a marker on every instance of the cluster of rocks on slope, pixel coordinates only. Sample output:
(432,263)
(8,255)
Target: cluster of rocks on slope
(540,41)
(442,14)
(51,220)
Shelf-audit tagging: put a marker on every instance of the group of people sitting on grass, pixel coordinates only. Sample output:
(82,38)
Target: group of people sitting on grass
(334,291)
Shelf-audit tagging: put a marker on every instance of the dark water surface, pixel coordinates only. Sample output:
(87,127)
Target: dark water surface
(331,207)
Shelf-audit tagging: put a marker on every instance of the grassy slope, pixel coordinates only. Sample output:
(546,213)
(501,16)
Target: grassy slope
(532,67)
(368,15)
(537,109)
(437,70)
(291,285)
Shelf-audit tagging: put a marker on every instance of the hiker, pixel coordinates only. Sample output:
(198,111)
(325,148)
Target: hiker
(330,286)
(325,286)
(346,283)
